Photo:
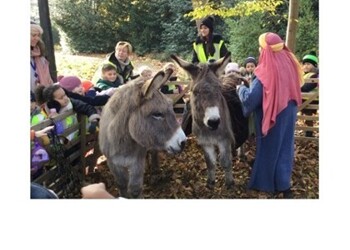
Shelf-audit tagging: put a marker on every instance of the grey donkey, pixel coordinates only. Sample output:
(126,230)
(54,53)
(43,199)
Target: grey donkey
(211,121)
(138,118)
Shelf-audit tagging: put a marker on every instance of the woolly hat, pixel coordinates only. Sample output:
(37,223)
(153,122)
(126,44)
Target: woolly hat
(209,22)
(232,67)
(70,82)
(250,59)
(311,58)
(87,85)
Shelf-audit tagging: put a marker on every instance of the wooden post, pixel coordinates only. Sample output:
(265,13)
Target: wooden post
(292,24)
(45,23)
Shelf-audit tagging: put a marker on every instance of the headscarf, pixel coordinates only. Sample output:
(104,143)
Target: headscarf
(280,74)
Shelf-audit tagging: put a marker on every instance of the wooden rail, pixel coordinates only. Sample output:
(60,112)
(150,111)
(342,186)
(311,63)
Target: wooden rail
(54,176)
(308,112)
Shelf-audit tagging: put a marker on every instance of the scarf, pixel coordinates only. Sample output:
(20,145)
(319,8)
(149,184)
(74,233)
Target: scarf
(41,67)
(123,64)
(280,74)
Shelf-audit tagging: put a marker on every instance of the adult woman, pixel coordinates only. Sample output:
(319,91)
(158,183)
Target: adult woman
(39,66)
(120,58)
(273,96)
(208,46)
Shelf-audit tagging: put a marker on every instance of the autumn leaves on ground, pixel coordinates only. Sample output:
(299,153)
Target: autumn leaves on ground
(183,176)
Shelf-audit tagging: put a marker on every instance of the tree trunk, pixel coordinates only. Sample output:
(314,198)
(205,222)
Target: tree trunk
(45,23)
(292,24)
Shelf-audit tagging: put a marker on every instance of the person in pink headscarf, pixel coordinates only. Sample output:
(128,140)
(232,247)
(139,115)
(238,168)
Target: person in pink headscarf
(39,66)
(273,96)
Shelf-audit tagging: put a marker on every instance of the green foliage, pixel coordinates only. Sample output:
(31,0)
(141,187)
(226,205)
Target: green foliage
(308,28)
(245,30)
(89,25)
(243,37)
(242,8)
(178,31)
(162,27)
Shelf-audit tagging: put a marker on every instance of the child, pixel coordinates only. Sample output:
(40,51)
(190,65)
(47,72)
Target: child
(233,76)
(146,72)
(73,88)
(54,100)
(109,77)
(120,58)
(310,69)
(171,88)
(249,66)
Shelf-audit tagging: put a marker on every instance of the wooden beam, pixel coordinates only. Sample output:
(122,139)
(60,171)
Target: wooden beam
(45,23)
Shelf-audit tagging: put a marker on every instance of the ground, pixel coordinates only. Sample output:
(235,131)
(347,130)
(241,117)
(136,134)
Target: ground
(183,176)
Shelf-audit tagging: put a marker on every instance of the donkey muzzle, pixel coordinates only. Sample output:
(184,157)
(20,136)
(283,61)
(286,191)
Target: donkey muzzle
(213,124)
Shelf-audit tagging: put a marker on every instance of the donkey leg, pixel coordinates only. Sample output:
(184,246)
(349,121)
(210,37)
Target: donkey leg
(121,177)
(210,160)
(154,162)
(136,179)
(226,163)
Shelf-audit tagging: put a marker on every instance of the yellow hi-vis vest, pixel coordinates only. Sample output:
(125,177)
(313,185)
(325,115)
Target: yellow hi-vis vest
(199,48)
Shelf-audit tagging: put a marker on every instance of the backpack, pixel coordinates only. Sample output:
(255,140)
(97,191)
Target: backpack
(39,158)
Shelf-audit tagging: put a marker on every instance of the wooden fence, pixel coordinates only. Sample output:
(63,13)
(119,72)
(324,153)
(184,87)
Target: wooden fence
(58,179)
(64,174)
(308,113)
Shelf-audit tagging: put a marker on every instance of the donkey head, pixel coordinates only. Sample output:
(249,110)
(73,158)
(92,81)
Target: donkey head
(152,123)
(206,98)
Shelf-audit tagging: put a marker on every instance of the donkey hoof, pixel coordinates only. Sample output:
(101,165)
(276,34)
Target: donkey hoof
(230,185)
(210,184)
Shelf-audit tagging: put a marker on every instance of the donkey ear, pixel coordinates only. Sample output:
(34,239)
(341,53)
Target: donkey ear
(219,66)
(189,67)
(153,85)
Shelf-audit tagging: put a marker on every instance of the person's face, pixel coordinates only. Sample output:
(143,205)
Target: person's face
(147,74)
(122,53)
(34,38)
(32,106)
(250,67)
(308,67)
(172,66)
(60,96)
(204,30)
(79,90)
(110,75)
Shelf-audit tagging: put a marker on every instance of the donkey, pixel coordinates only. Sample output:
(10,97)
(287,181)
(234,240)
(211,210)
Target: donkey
(138,118)
(211,120)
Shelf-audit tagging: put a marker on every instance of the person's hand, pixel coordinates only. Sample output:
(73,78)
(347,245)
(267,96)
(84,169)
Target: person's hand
(96,191)
(43,132)
(93,126)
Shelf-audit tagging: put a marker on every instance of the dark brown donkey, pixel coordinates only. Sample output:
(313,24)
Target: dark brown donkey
(138,118)
(211,119)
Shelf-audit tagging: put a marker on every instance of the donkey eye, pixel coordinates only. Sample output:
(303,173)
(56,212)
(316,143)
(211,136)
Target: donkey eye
(158,116)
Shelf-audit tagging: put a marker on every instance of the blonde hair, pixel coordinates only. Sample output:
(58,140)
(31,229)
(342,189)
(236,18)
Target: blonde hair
(36,28)
(171,66)
(123,44)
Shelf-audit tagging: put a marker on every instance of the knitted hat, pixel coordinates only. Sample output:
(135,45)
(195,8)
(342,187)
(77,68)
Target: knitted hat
(70,82)
(311,58)
(87,85)
(232,67)
(209,22)
(250,59)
